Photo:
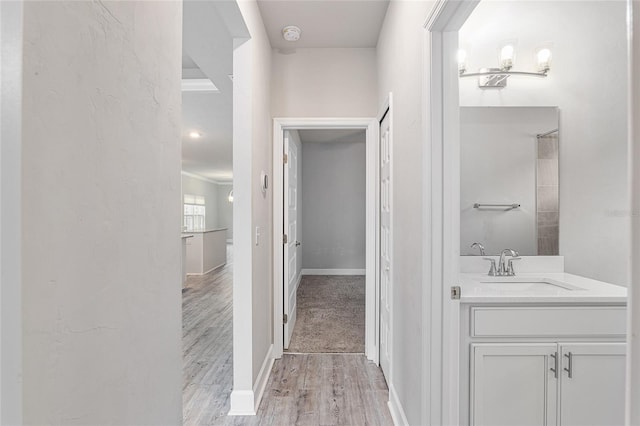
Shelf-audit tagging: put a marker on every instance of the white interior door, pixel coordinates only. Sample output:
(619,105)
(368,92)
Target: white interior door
(291,275)
(385,246)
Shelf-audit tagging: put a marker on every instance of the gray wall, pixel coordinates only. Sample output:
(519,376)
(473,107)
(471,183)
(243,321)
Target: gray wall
(333,205)
(208,190)
(100,189)
(225,209)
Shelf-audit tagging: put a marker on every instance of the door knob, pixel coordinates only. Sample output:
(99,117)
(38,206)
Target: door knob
(297,243)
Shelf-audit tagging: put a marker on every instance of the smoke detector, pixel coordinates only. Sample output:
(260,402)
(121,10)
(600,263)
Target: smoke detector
(291,33)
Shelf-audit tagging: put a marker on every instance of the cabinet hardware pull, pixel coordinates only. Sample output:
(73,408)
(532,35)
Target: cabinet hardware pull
(555,364)
(569,370)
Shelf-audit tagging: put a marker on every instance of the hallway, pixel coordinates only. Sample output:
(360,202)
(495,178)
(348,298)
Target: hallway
(308,389)
(331,315)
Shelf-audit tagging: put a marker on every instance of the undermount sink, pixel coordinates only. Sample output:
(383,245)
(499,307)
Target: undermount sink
(526,284)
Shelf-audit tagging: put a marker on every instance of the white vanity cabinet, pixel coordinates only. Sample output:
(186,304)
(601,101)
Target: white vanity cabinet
(520,369)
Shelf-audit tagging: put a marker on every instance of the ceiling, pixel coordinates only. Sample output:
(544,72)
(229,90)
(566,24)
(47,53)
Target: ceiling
(332,135)
(208,32)
(207,45)
(324,23)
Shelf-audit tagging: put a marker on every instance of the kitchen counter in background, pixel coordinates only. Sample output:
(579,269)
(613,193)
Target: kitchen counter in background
(205,251)
(184,255)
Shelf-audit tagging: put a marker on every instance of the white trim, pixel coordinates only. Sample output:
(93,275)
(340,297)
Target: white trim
(263,378)
(371,126)
(205,179)
(633,298)
(242,403)
(440,322)
(395,408)
(333,272)
(246,403)
(205,273)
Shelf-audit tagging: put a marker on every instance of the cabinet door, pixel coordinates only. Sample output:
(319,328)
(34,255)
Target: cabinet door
(513,384)
(593,384)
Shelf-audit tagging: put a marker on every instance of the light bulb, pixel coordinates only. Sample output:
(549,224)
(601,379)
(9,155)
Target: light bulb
(544,57)
(506,56)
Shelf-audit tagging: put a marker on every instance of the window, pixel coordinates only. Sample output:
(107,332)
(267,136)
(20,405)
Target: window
(194,213)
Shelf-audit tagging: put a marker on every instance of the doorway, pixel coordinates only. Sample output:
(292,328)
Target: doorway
(324,266)
(285,303)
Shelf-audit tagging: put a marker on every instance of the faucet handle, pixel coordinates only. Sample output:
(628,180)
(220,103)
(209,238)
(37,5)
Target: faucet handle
(492,269)
(479,246)
(510,271)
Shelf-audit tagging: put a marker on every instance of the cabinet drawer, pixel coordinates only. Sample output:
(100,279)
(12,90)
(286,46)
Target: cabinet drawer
(605,321)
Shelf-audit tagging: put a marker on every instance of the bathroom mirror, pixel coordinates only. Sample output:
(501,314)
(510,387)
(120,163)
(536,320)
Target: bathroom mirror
(509,180)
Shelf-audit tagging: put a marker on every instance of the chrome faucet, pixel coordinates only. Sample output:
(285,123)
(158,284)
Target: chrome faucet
(507,270)
(503,269)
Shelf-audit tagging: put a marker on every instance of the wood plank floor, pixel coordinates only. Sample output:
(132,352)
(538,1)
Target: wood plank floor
(308,389)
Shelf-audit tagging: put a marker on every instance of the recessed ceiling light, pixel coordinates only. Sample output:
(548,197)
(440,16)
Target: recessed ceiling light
(291,33)
(195,135)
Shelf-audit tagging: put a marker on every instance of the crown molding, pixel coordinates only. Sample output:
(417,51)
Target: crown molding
(205,179)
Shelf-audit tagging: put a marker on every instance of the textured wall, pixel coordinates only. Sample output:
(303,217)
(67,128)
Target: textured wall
(101,208)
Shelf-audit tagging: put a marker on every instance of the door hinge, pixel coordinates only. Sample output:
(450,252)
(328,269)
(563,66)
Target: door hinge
(285,159)
(285,239)
(285,319)
(455,292)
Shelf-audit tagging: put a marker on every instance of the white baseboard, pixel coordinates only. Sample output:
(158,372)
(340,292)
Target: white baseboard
(246,402)
(242,403)
(333,272)
(263,377)
(397,413)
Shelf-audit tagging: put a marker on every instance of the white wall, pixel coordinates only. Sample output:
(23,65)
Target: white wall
(588,41)
(225,209)
(252,154)
(209,190)
(314,82)
(333,204)
(400,64)
(498,162)
(100,201)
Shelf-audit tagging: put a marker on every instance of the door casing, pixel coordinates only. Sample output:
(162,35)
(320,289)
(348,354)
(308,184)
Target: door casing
(370,125)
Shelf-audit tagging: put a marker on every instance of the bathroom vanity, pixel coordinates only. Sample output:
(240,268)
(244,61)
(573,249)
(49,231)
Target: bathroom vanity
(541,348)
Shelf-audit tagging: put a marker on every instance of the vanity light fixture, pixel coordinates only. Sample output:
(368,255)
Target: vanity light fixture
(230,197)
(497,77)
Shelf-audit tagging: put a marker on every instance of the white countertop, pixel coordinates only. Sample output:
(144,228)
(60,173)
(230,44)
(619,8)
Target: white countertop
(204,231)
(588,291)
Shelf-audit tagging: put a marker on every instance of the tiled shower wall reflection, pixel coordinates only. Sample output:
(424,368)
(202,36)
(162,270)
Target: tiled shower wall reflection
(548,196)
